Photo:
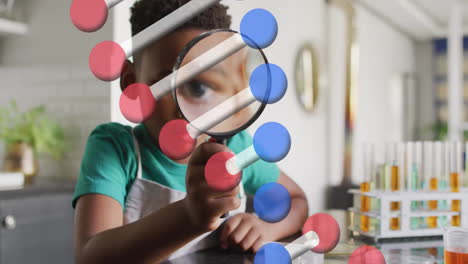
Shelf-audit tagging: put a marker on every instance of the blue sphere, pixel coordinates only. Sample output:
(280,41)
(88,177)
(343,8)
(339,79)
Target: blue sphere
(268,83)
(272,202)
(272,253)
(272,142)
(259,28)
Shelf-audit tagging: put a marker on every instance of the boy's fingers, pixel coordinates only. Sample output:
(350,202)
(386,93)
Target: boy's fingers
(249,240)
(239,233)
(258,244)
(228,228)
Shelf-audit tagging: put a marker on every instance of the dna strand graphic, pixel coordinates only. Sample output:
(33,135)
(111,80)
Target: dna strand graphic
(223,171)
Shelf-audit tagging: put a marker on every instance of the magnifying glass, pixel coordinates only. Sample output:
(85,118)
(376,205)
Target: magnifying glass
(217,100)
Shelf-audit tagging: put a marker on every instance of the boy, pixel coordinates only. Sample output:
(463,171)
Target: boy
(134,204)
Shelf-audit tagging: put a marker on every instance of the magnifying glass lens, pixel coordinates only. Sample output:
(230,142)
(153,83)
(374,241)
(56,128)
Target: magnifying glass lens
(221,88)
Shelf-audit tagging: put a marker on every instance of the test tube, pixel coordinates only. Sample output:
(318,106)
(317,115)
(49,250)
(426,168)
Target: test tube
(426,176)
(380,164)
(395,184)
(417,169)
(434,181)
(409,164)
(411,170)
(401,147)
(365,187)
(444,180)
(417,179)
(455,169)
(388,166)
(378,172)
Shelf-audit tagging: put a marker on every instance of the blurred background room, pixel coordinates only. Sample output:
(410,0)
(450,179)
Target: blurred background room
(359,71)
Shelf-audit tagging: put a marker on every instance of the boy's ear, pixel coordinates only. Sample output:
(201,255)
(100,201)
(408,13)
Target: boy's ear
(128,75)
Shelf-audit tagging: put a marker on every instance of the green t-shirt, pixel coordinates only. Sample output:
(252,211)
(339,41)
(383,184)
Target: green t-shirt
(109,164)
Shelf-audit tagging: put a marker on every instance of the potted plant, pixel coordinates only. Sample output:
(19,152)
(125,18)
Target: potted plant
(27,134)
(439,131)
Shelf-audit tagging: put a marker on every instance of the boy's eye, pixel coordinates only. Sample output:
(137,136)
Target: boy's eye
(196,89)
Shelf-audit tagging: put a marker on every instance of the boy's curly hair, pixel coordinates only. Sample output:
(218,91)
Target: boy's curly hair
(144,13)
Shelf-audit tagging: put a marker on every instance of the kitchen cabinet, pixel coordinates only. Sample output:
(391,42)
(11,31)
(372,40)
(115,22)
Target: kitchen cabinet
(36,225)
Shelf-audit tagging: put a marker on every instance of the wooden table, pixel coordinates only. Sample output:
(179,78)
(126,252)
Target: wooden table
(220,256)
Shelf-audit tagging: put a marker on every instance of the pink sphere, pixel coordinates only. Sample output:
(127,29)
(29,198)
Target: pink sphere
(217,176)
(175,141)
(106,60)
(366,255)
(327,230)
(137,103)
(88,15)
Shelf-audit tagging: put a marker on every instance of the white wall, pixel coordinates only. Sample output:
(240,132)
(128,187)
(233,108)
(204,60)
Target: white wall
(384,54)
(49,66)
(336,79)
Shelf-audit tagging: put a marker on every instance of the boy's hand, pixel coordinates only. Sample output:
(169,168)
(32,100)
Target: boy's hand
(204,206)
(247,232)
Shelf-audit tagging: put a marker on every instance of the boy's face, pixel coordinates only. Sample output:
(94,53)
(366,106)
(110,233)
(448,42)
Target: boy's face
(220,82)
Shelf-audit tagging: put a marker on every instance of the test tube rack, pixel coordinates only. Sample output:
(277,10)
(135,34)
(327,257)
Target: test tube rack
(384,213)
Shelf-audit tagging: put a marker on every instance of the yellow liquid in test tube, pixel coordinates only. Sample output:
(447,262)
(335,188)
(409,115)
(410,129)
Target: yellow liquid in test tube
(366,186)
(365,206)
(455,187)
(454,182)
(395,185)
(432,220)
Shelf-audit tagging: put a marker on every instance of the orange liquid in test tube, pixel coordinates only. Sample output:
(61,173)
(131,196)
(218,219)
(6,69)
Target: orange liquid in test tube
(395,185)
(455,187)
(365,207)
(455,181)
(432,220)
(366,186)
